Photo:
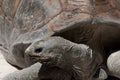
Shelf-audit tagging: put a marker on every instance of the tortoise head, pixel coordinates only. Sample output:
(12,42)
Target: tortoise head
(50,51)
(57,51)
(63,54)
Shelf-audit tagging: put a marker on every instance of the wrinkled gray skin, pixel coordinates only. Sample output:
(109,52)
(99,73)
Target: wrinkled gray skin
(63,60)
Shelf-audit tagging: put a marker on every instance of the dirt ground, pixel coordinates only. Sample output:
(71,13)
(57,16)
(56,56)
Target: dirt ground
(5,68)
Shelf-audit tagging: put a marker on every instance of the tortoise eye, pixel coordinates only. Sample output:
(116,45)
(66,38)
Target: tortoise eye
(38,50)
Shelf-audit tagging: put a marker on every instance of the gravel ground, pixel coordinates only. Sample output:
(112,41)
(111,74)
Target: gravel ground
(5,68)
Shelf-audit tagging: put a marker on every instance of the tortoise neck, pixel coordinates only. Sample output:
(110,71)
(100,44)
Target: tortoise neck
(84,67)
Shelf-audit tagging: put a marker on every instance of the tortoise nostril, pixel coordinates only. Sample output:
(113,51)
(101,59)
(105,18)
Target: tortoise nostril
(38,50)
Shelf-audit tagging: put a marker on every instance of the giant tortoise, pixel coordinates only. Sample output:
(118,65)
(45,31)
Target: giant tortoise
(64,60)
(95,23)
